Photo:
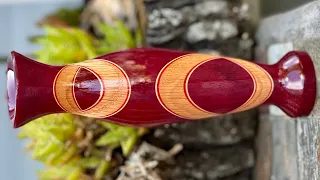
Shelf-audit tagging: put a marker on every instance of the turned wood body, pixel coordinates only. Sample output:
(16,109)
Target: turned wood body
(150,87)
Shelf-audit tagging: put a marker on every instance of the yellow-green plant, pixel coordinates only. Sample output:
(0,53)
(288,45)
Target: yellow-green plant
(74,147)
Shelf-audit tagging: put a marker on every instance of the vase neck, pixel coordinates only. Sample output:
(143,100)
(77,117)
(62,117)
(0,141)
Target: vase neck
(29,89)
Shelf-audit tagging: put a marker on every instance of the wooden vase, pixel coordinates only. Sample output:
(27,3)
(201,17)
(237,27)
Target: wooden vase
(150,87)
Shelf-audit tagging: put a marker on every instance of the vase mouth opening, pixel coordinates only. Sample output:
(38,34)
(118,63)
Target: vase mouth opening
(11,89)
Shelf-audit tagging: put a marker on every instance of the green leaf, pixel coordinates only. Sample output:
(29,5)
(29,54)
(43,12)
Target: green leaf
(75,174)
(53,31)
(109,126)
(111,137)
(64,46)
(138,38)
(117,37)
(70,16)
(53,173)
(55,158)
(128,144)
(43,149)
(126,34)
(85,43)
(101,170)
(67,172)
(69,154)
(91,162)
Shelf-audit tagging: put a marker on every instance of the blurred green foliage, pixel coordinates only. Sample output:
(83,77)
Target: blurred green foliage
(70,45)
(55,138)
(70,16)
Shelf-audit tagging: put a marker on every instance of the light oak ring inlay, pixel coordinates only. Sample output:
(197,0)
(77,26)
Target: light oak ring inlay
(115,93)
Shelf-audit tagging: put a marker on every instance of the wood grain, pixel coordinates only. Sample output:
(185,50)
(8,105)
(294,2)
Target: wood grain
(115,92)
(172,86)
(263,83)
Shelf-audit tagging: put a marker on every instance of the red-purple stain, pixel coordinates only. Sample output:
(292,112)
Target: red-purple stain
(87,88)
(220,86)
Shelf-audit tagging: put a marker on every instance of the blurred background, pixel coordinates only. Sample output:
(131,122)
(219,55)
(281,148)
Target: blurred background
(18,19)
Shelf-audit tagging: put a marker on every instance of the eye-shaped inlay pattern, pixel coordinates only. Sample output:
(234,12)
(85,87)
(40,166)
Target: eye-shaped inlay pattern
(172,86)
(93,88)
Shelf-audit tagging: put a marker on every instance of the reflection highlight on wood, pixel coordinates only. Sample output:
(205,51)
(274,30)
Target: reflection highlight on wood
(263,84)
(114,95)
(151,87)
(172,86)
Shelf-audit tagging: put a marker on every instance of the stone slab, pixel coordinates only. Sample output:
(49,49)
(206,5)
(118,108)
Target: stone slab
(276,149)
(220,165)
(212,132)
(298,24)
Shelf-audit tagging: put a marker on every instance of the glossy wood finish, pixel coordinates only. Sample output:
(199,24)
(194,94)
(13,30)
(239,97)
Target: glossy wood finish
(102,89)
(150,87)
(173,85)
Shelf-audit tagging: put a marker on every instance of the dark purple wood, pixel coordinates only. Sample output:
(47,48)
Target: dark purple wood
(217,86)
(236,86)
(87,88)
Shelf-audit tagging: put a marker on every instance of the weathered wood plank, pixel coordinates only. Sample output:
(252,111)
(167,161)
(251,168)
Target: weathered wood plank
(263,149)
(284,149)
(308,132)
(277,149)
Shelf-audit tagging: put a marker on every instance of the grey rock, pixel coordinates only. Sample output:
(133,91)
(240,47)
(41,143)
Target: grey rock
(174,17)
(211,30)
(169,26)
(202,31)
(190,16)
(243,175)
(234,47)
(160,37)
(228,29)
(224,130)
(241,12)
(217,7)
(170,3)
(210,51)
(175,44)
(210,164)
(164,25)
(162,17)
